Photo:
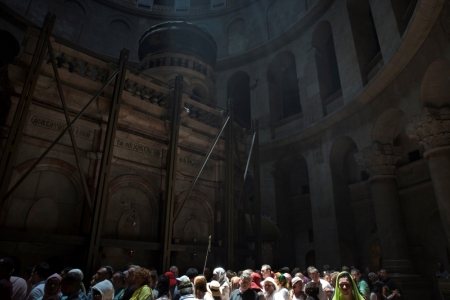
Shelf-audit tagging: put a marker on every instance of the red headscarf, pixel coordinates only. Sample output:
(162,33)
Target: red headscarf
(172,280)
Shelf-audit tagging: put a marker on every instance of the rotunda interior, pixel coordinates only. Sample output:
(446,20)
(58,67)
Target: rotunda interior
(291,133)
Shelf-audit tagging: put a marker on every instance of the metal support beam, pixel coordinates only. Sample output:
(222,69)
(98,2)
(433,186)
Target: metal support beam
(257,195)
(23,106)
(101,193)
(171,168)
(229,181)
(205,160)
(72,135)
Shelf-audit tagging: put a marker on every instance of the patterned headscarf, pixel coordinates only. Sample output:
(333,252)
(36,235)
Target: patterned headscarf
(281,280)
(221,275)
(338,293)
(55,296)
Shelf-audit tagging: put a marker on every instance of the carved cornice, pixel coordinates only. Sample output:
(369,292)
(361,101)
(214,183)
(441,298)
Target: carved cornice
(431,128)
(379,159)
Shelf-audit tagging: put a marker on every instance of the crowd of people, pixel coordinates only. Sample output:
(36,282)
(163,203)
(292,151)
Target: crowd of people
(139,283)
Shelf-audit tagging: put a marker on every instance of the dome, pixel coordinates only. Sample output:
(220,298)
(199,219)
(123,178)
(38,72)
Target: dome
(178,37)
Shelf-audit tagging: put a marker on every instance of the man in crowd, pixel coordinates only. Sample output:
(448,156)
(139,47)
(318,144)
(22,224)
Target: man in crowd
(323,284)
(130,289)
(119,284)
(174,270)
(244,292)
(104,273)
(265,271)
(38,279)
(6,269)
(392,286)
(153,282)
(70,287)
(363,287)
(191,273)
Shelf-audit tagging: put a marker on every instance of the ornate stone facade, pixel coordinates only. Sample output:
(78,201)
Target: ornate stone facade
(379,159)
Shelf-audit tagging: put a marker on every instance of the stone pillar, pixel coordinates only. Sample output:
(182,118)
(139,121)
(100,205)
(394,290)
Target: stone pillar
(380,160)
(432,129)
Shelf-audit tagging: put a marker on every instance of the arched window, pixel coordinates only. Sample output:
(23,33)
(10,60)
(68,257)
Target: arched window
(365,38)
(403,11)
(238,89)
(118,36)
(327,68)
(284,95)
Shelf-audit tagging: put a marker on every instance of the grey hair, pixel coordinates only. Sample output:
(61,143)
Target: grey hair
(267,267)
(245,275)
(372,274)
(312,270)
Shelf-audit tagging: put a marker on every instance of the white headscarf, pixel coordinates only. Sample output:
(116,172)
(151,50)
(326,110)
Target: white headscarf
(221,276)
(105,288)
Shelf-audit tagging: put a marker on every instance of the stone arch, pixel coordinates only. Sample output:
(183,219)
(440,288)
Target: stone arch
(237,42)
(71,21)
(403,11)
(365,38)
(327,67)
(117,36)
(293,207)
(132,209)
(45,185)
(238,88)
(196,219)
(345,171)
(435,86)
(284,96)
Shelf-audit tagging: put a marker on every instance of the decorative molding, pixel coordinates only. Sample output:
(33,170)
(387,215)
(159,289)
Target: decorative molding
(379,159)
(431,128)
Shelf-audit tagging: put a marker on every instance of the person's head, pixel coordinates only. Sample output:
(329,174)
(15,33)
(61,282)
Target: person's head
(141,277)
(118,281)
(270,286)
(345,283)
(185,287)
(104,273)
(356,274)
(383,274)
(153,279)
(40,272)
(6,267)
(52,285)
(372,277)
(70,284)
(172,281)
(313,274)
(345,269)
(312,289)
(234,283)
(130,275)
(163,285)
(207,273)
(199,286)
(64,272)
(297,285)
(174,270)
(378,288)
(219,275)
(245,281)
(192,273)
(265,271)
(282,281)
(103,290)
(333,277)
(367,269)
(230,274)
(327,277)
(256,281)
(214,287)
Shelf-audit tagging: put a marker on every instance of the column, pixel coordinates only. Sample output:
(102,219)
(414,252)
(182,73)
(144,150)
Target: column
(432,129)
(380,160)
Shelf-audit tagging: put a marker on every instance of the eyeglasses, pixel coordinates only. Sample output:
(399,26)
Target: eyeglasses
(345,284)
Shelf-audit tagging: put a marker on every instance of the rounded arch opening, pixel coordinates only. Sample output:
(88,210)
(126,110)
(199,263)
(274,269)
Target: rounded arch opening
(238,88)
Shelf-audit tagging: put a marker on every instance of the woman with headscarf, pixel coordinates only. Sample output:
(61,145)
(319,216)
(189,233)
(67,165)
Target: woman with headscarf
(103,290)
(220,275)
(80,273)
(283,287)
(346,288)
(52,288)
(142,279)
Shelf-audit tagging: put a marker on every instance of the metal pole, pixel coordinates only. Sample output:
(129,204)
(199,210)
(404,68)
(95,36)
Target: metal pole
(257,195)
(249,156)
(229,194)
(24,176)
(72,135)
(202,167)
(171,168)
(101,192)
(23,106)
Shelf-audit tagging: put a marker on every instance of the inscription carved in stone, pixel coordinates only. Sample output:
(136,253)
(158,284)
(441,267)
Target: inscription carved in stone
(136,147)
(60,126)
(379,159)
(195,163)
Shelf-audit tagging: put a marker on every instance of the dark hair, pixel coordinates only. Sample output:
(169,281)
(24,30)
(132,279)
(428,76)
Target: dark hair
(163,285)
(356,271)
(72,278)
(8,264)
(66,270)
(345,268)
(110,270)
(377,287)
(153,275)
(345,275)
(191,273)
(121,276)
(312,289)
(43,270)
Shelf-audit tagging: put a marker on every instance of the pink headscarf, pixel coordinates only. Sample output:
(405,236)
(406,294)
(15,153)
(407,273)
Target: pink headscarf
(55,296)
